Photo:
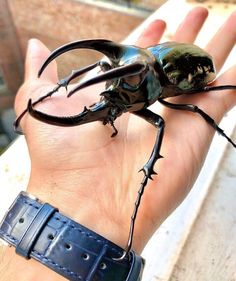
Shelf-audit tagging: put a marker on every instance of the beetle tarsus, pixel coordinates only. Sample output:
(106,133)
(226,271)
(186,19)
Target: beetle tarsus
(114,128)
(16,123)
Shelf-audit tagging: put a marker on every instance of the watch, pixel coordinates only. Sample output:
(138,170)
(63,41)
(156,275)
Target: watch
(38,230)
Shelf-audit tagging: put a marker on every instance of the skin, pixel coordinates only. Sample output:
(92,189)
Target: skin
(93,178)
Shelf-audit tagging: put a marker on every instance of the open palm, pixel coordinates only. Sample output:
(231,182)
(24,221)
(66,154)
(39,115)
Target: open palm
(93,177)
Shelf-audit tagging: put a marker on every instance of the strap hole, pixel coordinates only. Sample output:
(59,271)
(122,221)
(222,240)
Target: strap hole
(50,237)
(67,246)
(86,256)
(103,266)
(21,220)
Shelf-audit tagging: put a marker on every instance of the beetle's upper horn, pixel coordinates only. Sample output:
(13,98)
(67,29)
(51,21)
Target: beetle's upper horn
(108,48)
(115,73)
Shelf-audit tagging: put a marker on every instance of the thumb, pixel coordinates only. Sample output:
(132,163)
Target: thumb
(36,54)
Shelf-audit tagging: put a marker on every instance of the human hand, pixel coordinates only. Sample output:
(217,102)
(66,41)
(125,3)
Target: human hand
(95,176)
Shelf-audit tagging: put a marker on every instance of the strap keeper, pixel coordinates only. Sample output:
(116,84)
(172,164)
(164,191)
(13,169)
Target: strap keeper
(96,264)
(32,233)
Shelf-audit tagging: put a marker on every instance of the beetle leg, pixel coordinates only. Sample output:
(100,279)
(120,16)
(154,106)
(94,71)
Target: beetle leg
(110,120)
(204,115)
(148,169)
(215,88)
(76,73)
(114,128)
(16,123)
(62,83)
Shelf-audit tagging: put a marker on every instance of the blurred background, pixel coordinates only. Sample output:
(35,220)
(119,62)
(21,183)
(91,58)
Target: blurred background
(197,242)
(56,22)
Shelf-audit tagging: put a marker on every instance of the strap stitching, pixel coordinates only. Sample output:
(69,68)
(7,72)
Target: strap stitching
(45,258)
(89,235)
(54,264)
(8,235)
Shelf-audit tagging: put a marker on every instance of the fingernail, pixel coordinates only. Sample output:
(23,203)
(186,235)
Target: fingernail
(32,45)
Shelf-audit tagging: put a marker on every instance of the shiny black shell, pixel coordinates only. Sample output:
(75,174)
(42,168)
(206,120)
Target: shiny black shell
(182,67)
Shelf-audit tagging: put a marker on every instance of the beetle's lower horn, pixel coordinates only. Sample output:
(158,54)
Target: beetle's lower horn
(116,73)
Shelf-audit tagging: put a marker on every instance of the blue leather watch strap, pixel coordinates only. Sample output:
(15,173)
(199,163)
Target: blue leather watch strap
(40,231)
(26,242)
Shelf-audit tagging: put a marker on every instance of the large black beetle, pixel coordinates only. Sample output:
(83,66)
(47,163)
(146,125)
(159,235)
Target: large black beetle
(135,79)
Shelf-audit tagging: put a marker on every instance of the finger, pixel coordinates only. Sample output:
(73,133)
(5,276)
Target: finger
(227,98)
(192,24)
(152,34)
(36,54)
(223,42)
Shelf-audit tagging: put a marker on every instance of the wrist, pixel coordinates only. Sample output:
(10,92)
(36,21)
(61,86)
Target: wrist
(38,230)
(18,269)
(74,200)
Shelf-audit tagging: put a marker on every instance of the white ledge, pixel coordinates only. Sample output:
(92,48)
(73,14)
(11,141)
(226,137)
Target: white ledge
(163,251)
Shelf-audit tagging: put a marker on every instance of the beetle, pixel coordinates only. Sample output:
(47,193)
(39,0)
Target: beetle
(135,79)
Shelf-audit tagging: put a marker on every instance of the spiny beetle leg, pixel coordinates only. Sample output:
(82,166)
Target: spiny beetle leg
(76,73)
(64,82)
(204,115)
(218,88)
(148,168)
(207,89)
(16,123)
